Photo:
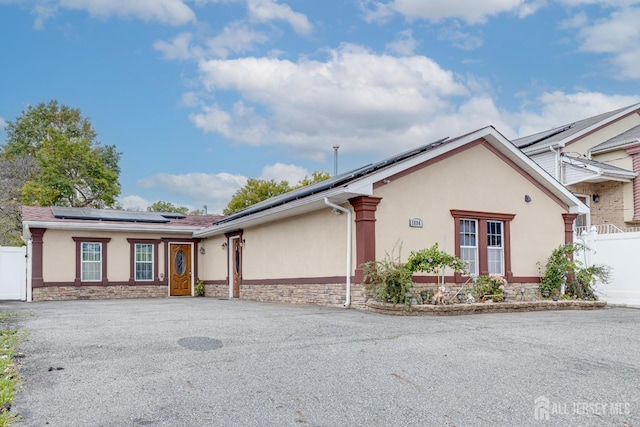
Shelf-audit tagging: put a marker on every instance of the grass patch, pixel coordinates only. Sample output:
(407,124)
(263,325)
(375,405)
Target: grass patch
(8,373)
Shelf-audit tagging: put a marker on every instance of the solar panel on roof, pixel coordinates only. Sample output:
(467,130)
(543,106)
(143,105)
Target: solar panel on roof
(107,215)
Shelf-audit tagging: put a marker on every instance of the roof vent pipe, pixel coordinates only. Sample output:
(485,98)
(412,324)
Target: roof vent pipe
(335,159)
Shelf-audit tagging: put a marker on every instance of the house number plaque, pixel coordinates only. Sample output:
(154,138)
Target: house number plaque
(415,222)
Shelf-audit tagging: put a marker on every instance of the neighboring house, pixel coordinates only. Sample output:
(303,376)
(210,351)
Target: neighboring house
(81,253)
(476,195)
(598,159)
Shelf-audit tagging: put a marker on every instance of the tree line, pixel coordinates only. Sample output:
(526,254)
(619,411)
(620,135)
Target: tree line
(52,157)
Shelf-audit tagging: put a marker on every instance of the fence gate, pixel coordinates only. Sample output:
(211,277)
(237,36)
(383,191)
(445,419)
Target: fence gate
(13,273)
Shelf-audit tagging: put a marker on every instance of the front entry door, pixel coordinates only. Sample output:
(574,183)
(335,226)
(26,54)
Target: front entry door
(236,266)
(180,269)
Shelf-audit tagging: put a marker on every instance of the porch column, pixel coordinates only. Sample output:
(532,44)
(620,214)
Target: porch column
(568,226)
(36,257)
(365,209)
(634,152)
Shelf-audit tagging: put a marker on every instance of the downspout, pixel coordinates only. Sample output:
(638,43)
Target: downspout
(347,302)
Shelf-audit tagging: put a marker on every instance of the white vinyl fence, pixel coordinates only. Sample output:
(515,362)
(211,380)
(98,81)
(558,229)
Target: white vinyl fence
(621,252)
(13,273)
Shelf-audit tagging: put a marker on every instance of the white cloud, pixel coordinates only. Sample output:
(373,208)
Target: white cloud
(577,21)
(618,36)
(354,98)
(234,38)
(213,190)
(281,172)
(3,123)
(558,108)
(472,12)
(171,12)
(404,44)
(134,203)
(270,10)
(179,48)
(460,39)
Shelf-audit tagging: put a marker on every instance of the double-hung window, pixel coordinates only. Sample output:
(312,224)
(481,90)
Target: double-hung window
(482,240)
(495,248)
(144,261)
(91,262)
(469,243)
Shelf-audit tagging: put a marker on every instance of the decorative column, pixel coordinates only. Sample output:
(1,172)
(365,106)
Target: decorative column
(37,280)
(634,152)
(365,208)
(568,226)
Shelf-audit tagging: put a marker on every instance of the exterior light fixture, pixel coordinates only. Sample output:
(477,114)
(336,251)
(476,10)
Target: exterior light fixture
(527,198)
(201,250)
(596,198)
(224,246)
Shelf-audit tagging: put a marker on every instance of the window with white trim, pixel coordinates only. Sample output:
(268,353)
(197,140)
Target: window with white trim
(495,247)
(469,243)
(483,239)
(144,261)
(91,262)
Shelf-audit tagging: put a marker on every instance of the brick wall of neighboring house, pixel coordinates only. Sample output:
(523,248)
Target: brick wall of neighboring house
(57,293)
(610,208)
(313,294)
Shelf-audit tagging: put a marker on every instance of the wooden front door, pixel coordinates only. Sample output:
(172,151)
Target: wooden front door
(236,265)
(180,269)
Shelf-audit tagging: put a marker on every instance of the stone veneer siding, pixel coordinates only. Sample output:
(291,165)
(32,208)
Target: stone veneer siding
(58,293)
(332,295)
(216,291)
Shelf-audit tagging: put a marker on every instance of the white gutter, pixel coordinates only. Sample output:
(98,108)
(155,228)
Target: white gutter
(262,216)
(109,226)
(347,302)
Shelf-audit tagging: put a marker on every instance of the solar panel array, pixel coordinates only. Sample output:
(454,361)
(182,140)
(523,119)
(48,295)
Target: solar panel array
(113,215)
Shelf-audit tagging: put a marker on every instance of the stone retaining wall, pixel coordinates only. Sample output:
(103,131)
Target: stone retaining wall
(479,308)
(57,293)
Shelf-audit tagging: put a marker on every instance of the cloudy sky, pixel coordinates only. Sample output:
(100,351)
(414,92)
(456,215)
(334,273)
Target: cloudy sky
(200,95)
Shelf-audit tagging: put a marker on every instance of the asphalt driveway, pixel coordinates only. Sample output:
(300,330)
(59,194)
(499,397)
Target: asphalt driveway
(208,362)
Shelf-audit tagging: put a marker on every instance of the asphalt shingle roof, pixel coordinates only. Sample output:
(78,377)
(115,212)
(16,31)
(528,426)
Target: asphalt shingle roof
(548,137)
(628,137)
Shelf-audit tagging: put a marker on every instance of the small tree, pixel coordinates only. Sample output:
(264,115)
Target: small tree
(433,260)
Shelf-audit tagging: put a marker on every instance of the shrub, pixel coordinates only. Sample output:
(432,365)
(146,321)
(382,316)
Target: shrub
(389,279)
(562,269)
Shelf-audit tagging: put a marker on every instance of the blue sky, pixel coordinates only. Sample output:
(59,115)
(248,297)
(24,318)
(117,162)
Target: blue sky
(200,95)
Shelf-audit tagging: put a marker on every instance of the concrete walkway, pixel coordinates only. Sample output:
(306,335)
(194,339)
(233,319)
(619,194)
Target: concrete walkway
(207,362)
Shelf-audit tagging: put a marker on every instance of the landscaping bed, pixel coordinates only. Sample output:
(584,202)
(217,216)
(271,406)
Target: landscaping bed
(480,308)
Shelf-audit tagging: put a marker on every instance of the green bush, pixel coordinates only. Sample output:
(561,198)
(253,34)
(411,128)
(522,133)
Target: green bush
(563,269)
(389,279)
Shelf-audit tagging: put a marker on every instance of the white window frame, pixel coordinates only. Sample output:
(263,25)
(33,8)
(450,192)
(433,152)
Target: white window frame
(83,262)
(495,249)
(145,262)
(466,250)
